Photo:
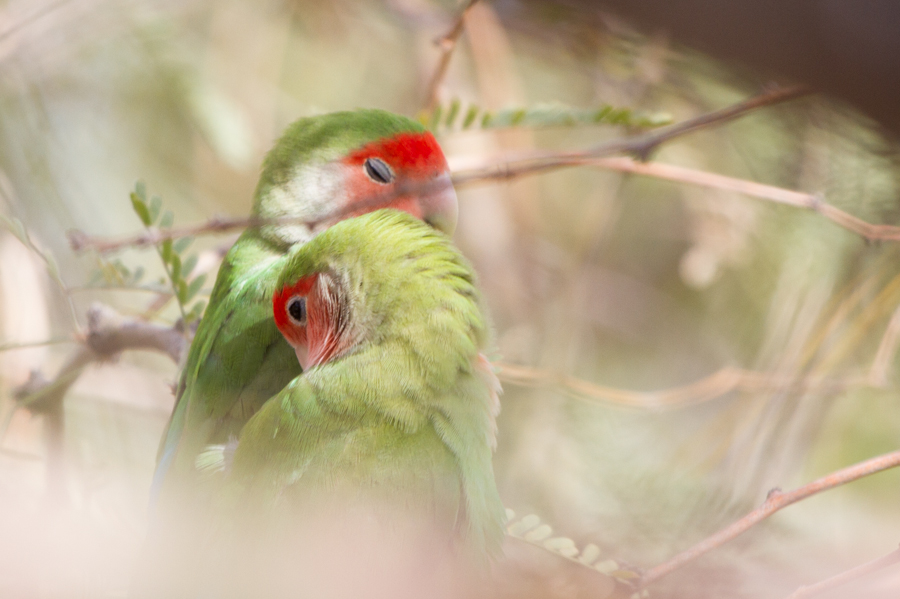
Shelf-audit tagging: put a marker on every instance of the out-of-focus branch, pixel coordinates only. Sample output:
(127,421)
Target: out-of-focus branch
(108,334)
(779,195)
(775,501)
(640,145)
(887,349)
(27,344)
(847,576)
(716,385)
(447,45)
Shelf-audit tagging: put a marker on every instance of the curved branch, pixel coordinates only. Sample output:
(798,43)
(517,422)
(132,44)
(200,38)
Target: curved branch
(775,501)
(847,576)
(447,44)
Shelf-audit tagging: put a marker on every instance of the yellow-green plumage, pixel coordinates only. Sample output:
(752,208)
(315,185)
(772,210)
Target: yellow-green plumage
(238,359)
(406,416)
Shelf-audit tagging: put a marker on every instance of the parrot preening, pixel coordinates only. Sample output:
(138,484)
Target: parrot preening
(370,474)
(323,168)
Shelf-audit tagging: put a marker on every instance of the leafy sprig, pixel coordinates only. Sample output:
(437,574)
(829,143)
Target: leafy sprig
(178,265)
(457,117)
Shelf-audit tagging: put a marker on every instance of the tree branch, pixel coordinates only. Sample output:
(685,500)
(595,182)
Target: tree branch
(847,576)
(719,383)
(798,199)
(447,44)
(640,145)
(108,334)
(775,501)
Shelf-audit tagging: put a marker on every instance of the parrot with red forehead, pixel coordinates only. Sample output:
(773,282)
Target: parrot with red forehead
(323,169)
(370,474)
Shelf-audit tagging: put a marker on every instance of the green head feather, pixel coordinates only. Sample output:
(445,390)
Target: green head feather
(301,176)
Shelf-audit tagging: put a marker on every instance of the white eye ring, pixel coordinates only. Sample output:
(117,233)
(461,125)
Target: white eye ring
(296,310)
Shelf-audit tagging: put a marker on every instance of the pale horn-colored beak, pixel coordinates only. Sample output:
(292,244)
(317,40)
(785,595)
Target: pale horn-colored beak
(440,207)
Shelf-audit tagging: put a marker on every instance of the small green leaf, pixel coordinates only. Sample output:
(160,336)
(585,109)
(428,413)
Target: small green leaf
(601,113)
(435,117)
(140,190)
(194,287)
(452,112)
(175,263)
(181,291)
(167,220)
(165,250)
(486,120)
(470,117)
(196,311)
(155,207)
(138,274)
(16,227)
(540,533)
(140,208)
(188,265)
(182,244)
(52,267)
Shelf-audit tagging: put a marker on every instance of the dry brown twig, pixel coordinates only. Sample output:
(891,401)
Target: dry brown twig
(775,501)
(639,145)
(847,576)
(108,334)
(718,384)
(447,44)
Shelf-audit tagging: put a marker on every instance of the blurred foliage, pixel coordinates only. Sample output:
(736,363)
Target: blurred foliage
(621,280)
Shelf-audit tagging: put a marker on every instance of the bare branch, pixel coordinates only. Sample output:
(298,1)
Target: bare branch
(849,575)
(447,44)
(716,385)
(639,145)
(108,334)
(27,344)
(750,188)
(775,501)
(887,349)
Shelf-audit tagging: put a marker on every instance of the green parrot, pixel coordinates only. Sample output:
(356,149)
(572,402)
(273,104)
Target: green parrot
(369,474)
(323,169)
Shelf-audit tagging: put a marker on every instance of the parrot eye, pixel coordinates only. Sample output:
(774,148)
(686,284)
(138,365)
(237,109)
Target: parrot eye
(296,309)
(378,170)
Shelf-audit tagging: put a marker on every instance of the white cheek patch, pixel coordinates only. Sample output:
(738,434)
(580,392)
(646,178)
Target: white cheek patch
(312,193)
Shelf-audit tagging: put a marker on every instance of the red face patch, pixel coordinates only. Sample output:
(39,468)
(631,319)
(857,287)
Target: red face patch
(404,152)
(406,172)
(294,329)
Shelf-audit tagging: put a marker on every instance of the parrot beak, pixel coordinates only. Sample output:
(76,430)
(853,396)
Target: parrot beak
(440,208)
(302,356)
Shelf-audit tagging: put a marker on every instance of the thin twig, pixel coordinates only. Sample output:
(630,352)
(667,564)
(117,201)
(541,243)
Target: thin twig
(640,145)
(886,351)
(716,385)
(798,199)
(847,576)
(775,501)
(45,342)
(108,335)
(447,44)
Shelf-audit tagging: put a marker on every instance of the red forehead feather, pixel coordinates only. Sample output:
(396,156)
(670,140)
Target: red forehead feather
(406,150)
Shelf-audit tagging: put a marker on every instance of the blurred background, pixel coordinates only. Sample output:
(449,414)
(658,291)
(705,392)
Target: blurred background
(624,281)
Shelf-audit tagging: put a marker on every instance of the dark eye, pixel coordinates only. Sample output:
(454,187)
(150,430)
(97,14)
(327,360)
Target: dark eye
(378,170)
(296,308)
